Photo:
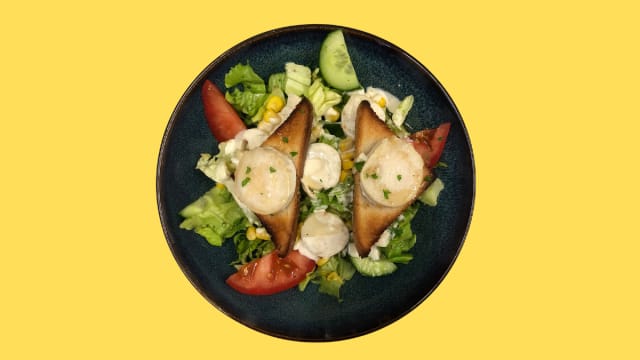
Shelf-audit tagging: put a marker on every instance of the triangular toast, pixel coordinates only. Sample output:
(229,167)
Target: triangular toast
(291,138)
(370,220)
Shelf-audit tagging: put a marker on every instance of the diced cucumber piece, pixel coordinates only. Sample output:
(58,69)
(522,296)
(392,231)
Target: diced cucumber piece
(335,63)
(369,267)
(430,195)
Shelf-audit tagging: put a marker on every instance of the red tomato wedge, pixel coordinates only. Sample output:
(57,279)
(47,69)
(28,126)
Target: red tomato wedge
(222,118)
(429,143)
(271,274)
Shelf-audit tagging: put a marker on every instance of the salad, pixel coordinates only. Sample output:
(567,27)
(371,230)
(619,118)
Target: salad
(290,152)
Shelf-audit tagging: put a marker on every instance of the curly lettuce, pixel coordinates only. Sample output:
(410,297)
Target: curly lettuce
(247,90)
(215,216)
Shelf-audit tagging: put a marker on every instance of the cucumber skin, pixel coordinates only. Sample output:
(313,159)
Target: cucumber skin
(373,268)
(338,79)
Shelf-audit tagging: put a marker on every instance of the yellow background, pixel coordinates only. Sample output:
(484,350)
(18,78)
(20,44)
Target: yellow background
(548,91)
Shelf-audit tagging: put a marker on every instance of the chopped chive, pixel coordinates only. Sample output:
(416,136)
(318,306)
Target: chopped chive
(399,177)
(386,193)
(285,139)
(248,170)
(374,176)
(427,178)
(293,153)
(272,169)
(358,165)
(441,165)
(245,181)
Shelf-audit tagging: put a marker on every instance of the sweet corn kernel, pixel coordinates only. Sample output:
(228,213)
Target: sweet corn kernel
(322,261)
(347,155)
(382,102)
(333,276)
(345,144)
(343,175)
(268,114)
(262,234)
(332,115)
(275,103)
(220,186)
(251,233)
(347,164)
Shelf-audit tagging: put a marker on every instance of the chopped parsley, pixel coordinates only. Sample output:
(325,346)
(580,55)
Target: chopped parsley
(245,181)
(272,169)
(399,177)
(358,165)
(293,153)
(248,170)
(386,193)
(285,139)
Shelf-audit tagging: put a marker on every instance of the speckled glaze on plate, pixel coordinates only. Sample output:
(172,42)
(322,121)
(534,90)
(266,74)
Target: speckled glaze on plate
(369,303)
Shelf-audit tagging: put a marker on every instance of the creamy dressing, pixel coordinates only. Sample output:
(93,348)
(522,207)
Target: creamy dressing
(374,253)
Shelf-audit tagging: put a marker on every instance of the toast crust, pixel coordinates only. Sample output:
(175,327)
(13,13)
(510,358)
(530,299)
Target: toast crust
(370,219)
(292,139)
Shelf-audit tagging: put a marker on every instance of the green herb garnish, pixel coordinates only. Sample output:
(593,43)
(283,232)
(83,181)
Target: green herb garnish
(386,193)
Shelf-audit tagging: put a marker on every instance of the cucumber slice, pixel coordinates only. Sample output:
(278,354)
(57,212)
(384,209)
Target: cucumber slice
(369,267)
(335,63)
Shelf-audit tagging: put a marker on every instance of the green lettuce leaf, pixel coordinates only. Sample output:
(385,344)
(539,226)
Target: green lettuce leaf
(330,276)
(249,250)
(337,200)
(215,216)
(243,74)
(402,238)
(247,90)
(276,81)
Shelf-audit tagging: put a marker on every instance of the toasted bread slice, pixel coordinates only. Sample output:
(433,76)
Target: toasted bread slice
(291,138)
(370,219)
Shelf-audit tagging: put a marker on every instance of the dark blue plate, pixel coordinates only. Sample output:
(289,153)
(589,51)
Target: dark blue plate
(369,303)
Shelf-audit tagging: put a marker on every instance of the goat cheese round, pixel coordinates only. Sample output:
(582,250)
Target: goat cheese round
(265,180)
(393,173)
(322,167)
(322,235)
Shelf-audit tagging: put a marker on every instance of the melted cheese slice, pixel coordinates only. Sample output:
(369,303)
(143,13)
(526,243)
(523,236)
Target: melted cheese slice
(392,174)
(265,180)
